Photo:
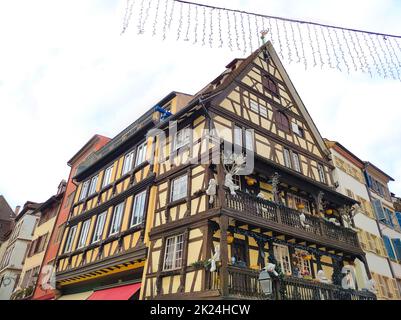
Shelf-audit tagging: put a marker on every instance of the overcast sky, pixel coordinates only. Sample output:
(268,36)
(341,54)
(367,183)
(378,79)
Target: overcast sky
(66,73)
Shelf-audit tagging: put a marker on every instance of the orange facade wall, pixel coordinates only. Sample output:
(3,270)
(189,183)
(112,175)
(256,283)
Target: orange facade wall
(41,293)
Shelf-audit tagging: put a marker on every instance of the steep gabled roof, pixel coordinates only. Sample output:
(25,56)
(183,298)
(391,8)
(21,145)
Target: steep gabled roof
(6,213)
(228,76)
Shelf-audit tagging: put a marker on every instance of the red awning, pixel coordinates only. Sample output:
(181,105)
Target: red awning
(116,293)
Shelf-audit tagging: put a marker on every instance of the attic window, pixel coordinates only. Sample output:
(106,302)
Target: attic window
(298,130)
(282,121)
(270,84)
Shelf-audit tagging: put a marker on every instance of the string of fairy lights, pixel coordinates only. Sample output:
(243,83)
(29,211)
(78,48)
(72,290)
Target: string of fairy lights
(296,41)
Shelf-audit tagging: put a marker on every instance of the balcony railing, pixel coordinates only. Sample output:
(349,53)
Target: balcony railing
(282,215)
(243,283)
(301,289)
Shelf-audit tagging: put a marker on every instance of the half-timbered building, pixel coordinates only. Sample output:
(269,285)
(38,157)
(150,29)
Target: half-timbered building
(202,192)
(284,211)
(103,247)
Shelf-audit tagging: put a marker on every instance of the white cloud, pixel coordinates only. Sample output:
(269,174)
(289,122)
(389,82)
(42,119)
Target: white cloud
(67,73)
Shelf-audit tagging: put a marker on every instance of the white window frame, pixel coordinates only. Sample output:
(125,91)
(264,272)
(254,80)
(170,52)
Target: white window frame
(296,162)
(84,190)
(177,191)
(118,212)
(141,153)
(305,263)
(287,158)
(107,176)
(70,239)
(138,209)
(99,227)
(84,233)
(282,256)
(92,185)
(128,161)
(258,108)
(173,253)
(322,174)
(182,138)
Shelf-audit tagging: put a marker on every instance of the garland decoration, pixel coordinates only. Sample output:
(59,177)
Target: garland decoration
(296,41)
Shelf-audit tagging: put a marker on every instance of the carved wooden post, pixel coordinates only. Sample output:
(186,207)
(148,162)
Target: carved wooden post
(223,256)
(261,255)
(337,276)
(318,262)
(220,182)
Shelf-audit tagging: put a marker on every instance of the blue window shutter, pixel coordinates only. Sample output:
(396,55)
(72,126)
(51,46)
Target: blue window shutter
(397,248)
(379,210)
(398,215)
(389,215)
(368,180)
(389,248)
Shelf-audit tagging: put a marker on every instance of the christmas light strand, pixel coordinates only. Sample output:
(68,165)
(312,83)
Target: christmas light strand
(306,42)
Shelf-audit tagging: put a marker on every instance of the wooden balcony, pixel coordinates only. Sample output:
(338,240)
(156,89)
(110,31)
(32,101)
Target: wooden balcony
(279,218)
(243,283)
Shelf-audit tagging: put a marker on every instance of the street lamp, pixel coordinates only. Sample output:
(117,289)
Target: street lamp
(266,282)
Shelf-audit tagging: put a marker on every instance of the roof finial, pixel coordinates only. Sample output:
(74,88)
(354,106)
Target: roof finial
(263,35)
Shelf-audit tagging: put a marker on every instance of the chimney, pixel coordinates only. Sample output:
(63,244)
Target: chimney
(17,209)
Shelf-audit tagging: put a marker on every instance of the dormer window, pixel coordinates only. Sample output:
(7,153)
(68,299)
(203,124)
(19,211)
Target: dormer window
(282,121)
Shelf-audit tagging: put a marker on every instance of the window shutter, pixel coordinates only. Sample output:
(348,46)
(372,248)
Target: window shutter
(389,247)
(398,216)
(385,288)
(369,209)
(362,239)
(379,210)
(372,242)
(368,179)
(379,288)
(394,289)
(397,248)
(389,216)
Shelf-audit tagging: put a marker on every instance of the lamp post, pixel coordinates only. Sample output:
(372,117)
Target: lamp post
(266,283)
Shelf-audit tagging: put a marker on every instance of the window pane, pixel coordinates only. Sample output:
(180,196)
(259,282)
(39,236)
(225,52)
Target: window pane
(93,183)
(141,154)
(127,166)
(70,239)
(297,166)
(99,227)
(169,254)
(254,106)
(107,176)
(178,251)
(287,159)
(84,234)
(138,208)
(322,175)
(283,257)
(173,253)
(117,215)
(84,190)
(179,188)
(182,138)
